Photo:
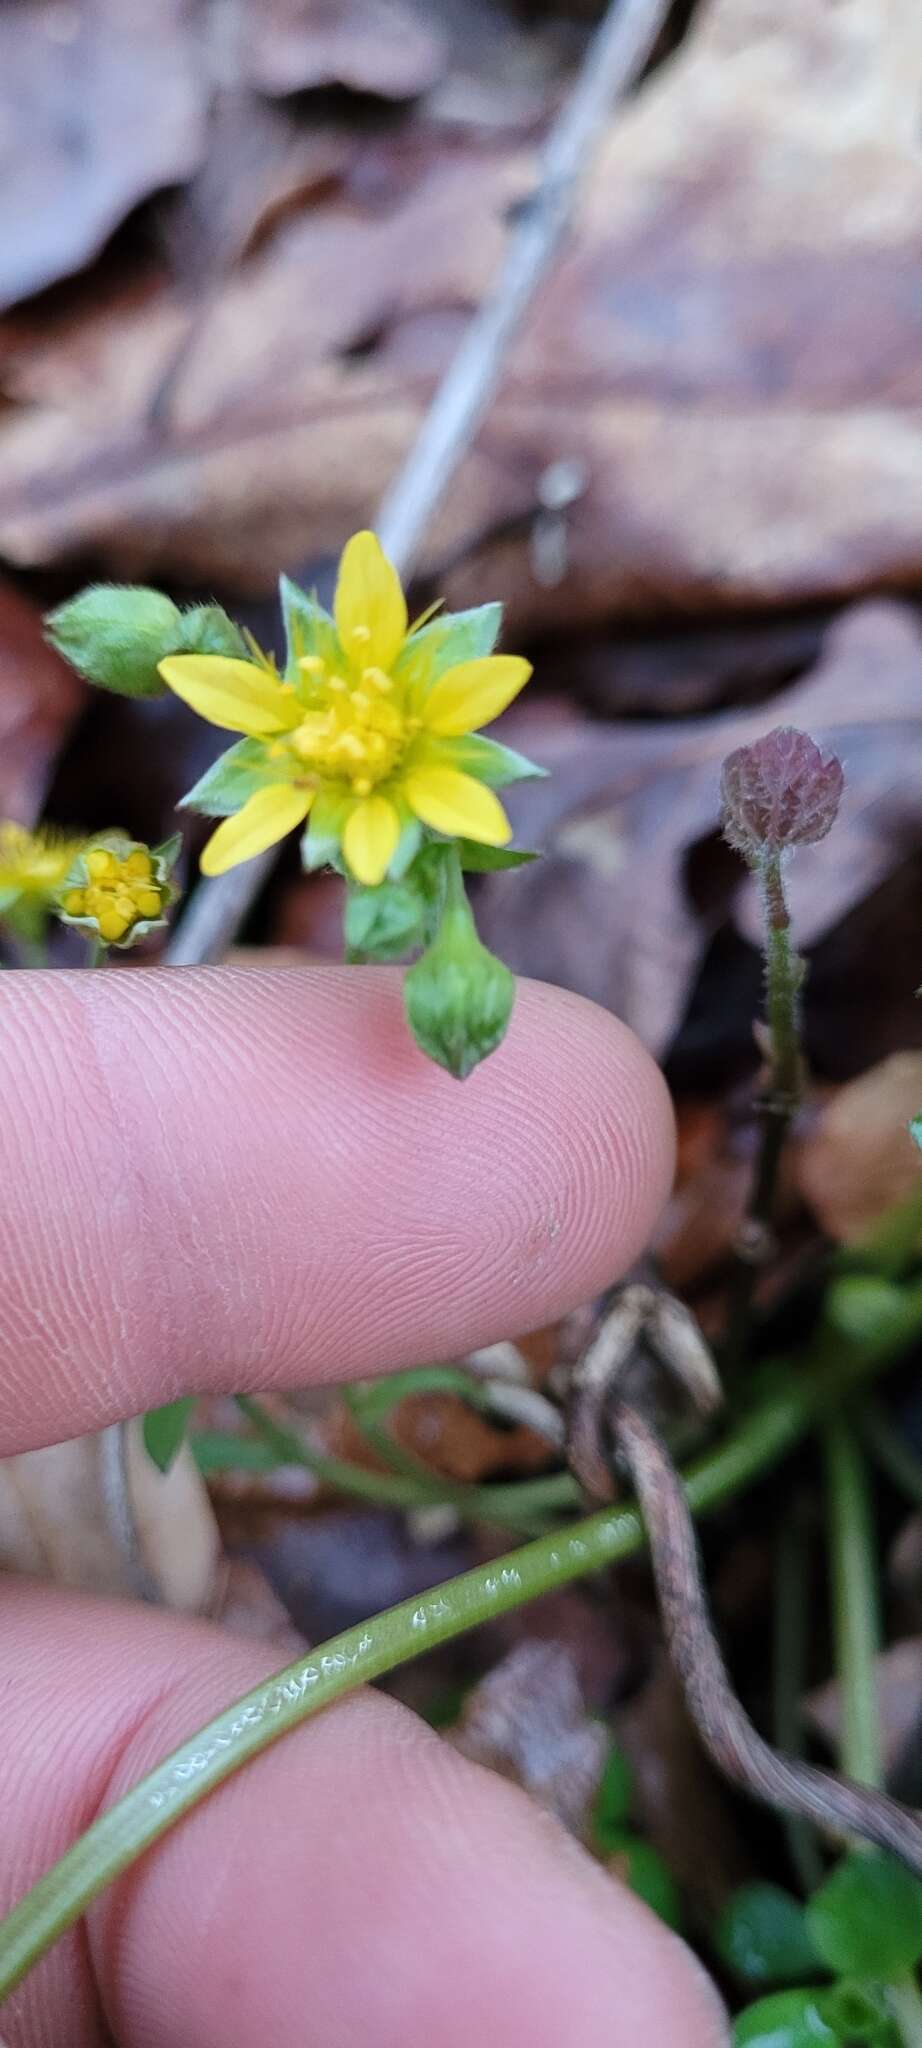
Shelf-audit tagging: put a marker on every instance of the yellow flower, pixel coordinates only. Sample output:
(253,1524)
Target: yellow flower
(33,865)
(118,890)
(371,731)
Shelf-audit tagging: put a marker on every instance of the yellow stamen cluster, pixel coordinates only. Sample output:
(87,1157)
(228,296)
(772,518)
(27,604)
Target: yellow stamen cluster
(354,732)
(119,892)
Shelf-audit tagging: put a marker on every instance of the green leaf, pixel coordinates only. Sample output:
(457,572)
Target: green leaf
(612,1801)
(164,1429)
(858,2012)
(866,1919)
(234,777)
(642,1867)
(861,1306)
(763,1936)
(219,1450)
(309,629)
(788,2019)
(449,639)
(386,922)
(490,762)
(485,860)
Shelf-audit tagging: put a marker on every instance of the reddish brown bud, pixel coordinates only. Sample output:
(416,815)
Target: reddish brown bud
(778,793)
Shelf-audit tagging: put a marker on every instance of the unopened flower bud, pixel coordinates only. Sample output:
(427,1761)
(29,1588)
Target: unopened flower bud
(116,635)
(779,793)
(458,996)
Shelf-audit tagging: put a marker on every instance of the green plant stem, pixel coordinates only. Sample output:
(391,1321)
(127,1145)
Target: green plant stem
(517,1504)
(95,953)
(855,1612)
(789,1665)
(905,2002)
(784,974)
(379,1645)
(856,1628)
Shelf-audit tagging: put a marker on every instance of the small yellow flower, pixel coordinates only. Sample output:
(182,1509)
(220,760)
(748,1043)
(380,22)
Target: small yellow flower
(33,865)
(370,732)
(118,890)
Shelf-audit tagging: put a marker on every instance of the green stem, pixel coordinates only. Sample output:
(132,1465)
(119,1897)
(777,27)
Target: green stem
(784,974)
(905,2002)
(789,1665)
(374,1647)
(516,1505)
(95,953)
(855,1610)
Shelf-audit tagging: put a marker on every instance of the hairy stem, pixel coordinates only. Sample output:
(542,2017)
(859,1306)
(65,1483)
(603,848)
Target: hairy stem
(784,974)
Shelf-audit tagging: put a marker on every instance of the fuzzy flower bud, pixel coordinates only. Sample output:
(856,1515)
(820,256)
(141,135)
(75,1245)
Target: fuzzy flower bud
(116,635)
(117,890)
(778,793)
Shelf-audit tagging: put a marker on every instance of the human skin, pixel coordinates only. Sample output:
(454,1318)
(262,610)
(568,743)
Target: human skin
(242,1179)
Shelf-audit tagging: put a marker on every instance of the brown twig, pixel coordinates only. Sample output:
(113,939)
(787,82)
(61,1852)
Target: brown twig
(615,56)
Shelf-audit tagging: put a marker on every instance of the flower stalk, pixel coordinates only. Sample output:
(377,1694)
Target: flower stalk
(395,1637)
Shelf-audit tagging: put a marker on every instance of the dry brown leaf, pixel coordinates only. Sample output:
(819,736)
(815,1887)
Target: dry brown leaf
(858,1159)
(527,1720)
(101,103)
(39,699)
(731,351)
(630,801)
(372,46)
(899,1698)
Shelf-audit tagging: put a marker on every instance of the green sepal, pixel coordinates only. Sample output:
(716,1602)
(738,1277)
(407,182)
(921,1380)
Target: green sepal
(384,923)
(446,641)
(641,1867)
(309,628)
(487,860)
(915,1129)
(233,778)
(763,1936)
(786,2019)
(488,761)
(163,1430)
(867,1917)
(206,629)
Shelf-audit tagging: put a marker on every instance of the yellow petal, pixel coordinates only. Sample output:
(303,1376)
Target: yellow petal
(234,694)
(473,693)
(370,839)
(370,609)
(264,819)
(457,805)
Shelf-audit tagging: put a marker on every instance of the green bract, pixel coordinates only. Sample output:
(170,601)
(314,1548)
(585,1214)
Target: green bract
(164,1429)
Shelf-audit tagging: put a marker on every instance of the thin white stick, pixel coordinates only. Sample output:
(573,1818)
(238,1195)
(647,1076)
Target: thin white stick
(615,55)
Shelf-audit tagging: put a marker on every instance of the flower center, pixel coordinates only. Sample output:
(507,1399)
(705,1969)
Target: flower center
(118,892)
(352,732)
